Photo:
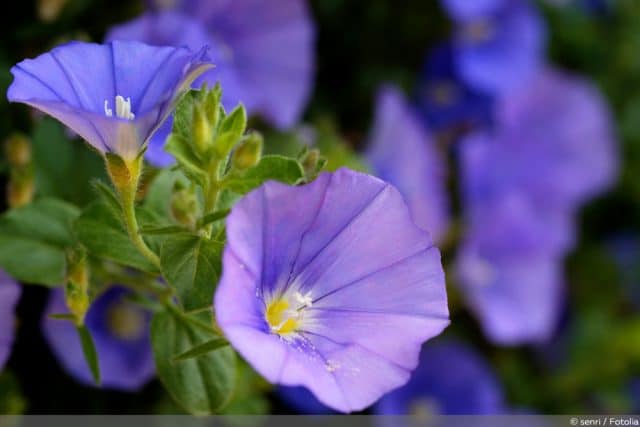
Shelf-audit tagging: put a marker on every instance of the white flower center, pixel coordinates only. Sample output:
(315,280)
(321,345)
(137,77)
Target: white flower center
(123,108)
(284,314)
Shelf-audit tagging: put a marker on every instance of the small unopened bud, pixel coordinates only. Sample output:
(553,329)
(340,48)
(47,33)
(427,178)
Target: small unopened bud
(20,192)
(76,290)
(248,153)
(312,163)
(18,150)
(184,207)
(201,129)
(49,10)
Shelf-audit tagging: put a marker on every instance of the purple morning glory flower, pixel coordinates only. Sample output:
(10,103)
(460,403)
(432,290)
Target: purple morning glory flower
(498,44)
(556,140)
(115,95)
(445,101)
(510,268)
(9,296)
(451,379)
(330,286)
(120,330)
(403,153)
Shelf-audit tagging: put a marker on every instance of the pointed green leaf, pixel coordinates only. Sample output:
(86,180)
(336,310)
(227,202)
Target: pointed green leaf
(201,385)
(213,217)
(90,353)
(192,265)
(202,349)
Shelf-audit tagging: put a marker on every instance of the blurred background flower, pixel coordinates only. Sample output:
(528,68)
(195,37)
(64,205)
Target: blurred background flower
(120,330)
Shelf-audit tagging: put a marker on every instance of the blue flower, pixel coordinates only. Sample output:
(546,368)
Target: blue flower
(115,95)
(510,269)
(120,331)
(498,44)
(263,52)
(553,139)
(403,153)
(445,101)
(9,295)
(306,296)
(451,379)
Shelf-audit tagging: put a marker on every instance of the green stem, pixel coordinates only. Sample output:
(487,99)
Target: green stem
(125,176)
(127,198)
(212,192)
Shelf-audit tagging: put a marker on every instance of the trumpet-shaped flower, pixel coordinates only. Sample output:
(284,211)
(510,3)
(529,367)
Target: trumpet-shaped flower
(510,269)
(451,379)
(9,295)
(120,331)
(330,286)
(115,95)
(403,153)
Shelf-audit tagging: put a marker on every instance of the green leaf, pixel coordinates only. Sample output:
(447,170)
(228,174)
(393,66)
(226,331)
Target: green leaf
(273,167)
(103,233)
(90,353)
(201,385)
(192,265)
(213,217)
(32,261)
(34,240)
(202,349)
(46,220)
(64,168)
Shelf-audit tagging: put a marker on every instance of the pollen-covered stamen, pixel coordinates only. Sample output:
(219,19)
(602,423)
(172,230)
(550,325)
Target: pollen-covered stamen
(123,108)
(284,314)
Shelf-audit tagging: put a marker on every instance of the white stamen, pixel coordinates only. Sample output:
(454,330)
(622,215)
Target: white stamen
(123,108)
(108,111)
(305,300)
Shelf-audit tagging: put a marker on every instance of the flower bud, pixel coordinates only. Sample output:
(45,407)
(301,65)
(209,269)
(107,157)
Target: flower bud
(76,290)
(201,129)
(18,150)
(248,153)
(49,10)
(312,163)
(20,192)
(184,207)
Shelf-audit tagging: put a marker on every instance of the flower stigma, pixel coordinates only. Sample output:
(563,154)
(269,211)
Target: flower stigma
(123,108)
(284,314)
